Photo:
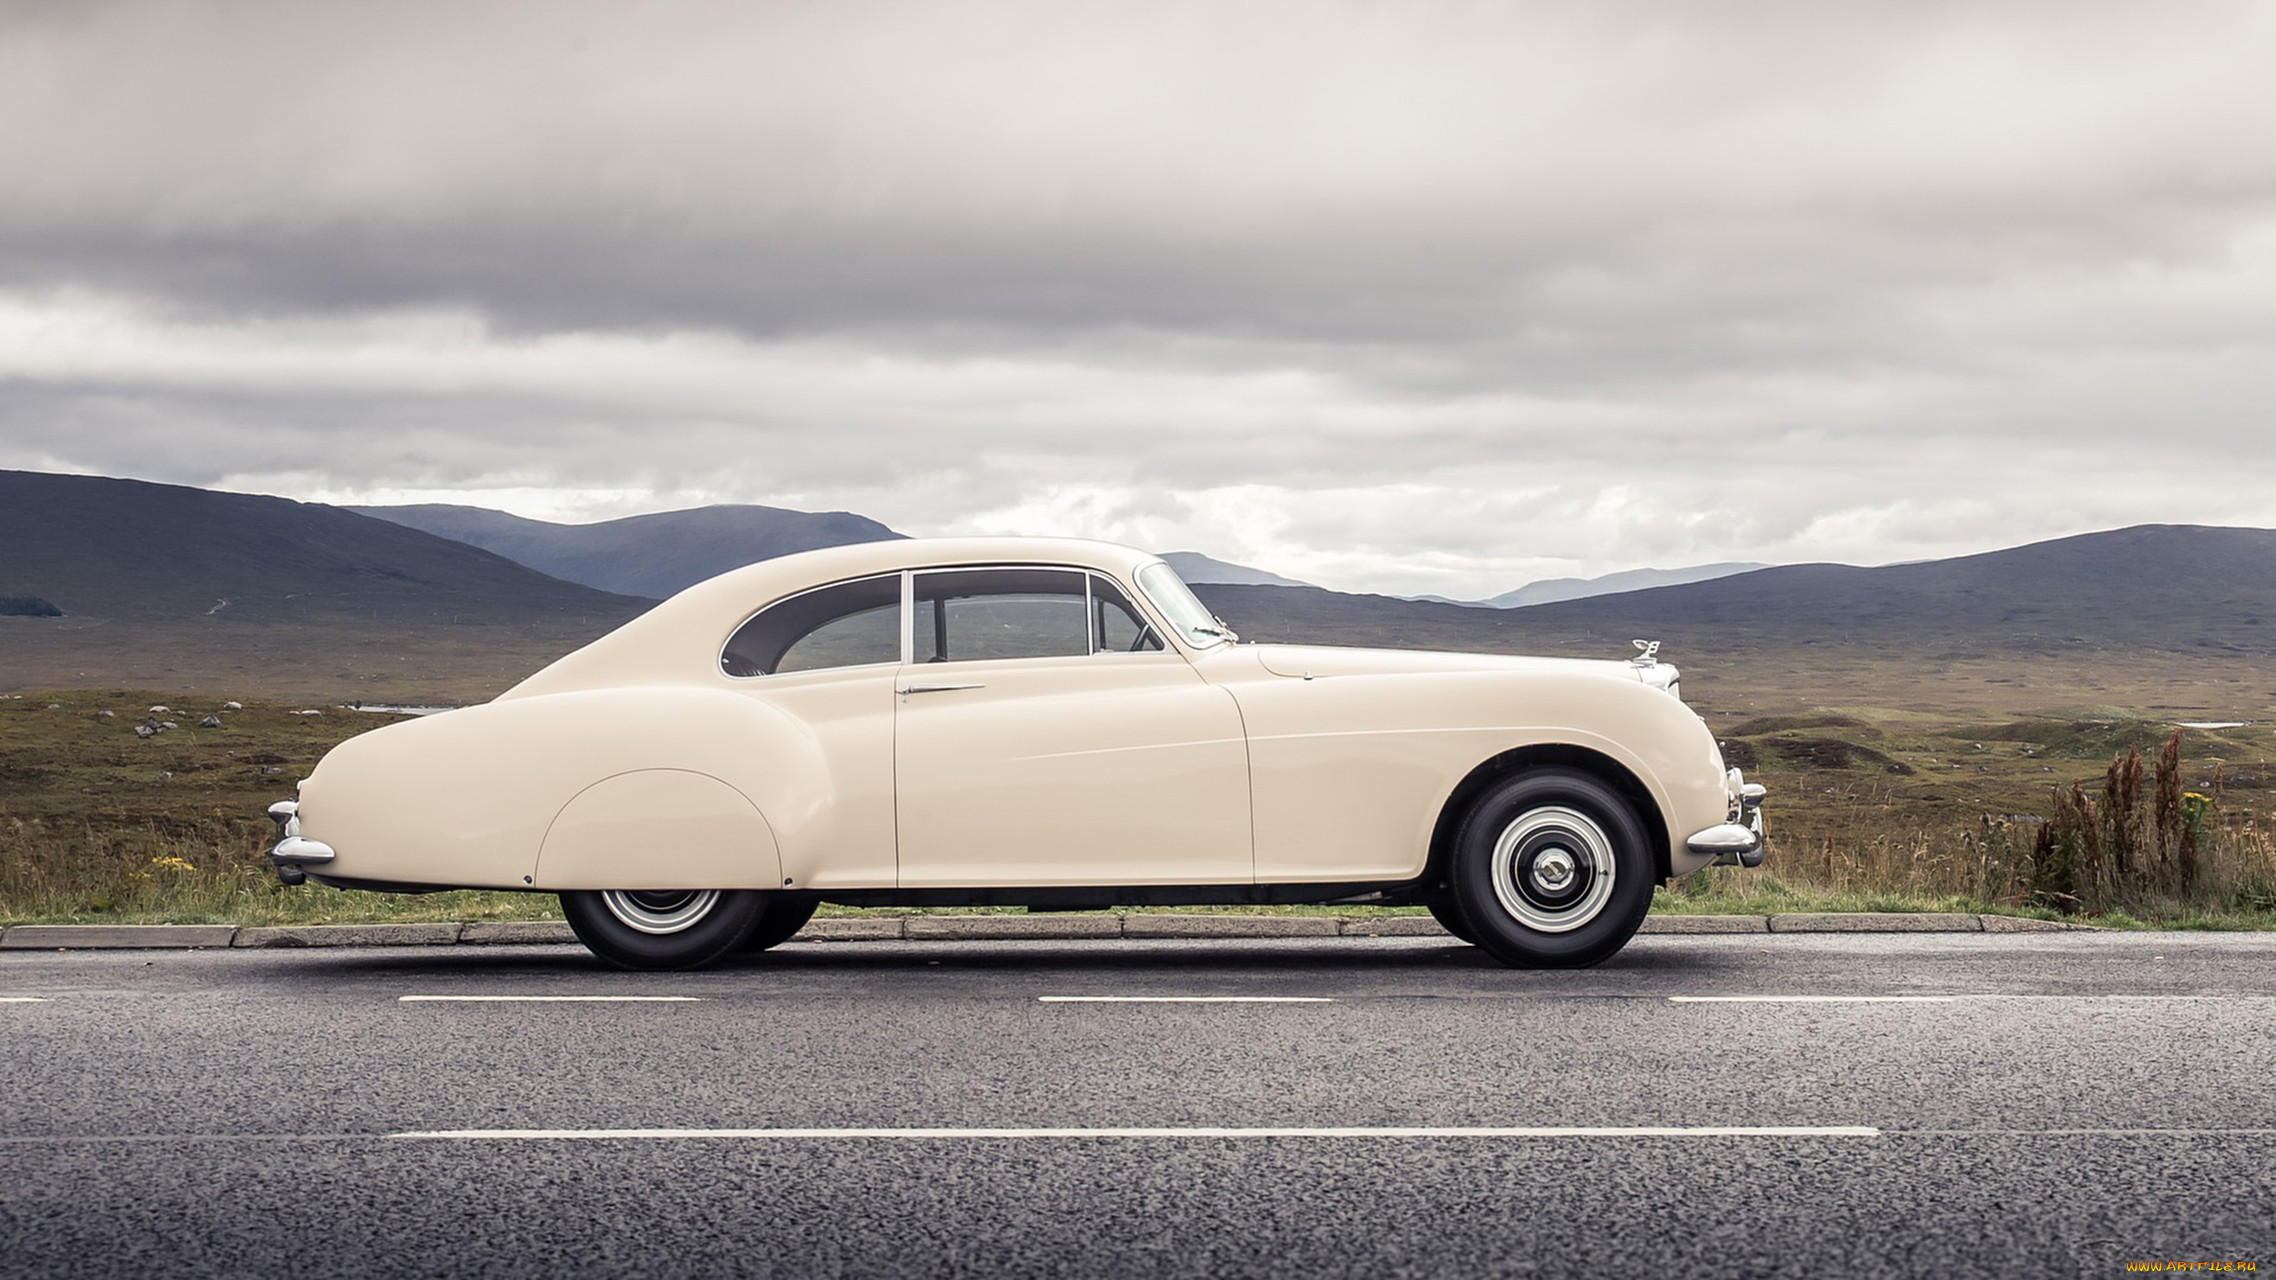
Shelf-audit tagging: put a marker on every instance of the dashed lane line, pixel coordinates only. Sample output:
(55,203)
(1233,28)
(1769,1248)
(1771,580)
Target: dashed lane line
(1201,1131)
(1600,1133)
(1186,999)
(549,999)
(1812,999)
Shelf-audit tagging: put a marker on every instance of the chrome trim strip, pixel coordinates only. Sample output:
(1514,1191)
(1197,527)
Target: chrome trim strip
(1733,844)
(1727,837)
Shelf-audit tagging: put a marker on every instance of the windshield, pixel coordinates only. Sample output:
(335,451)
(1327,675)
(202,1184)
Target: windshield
(1187,615)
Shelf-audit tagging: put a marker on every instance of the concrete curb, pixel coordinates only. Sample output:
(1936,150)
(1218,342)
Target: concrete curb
(351,935)
(981,928)
(92,937)
(1874,922)
(512,933)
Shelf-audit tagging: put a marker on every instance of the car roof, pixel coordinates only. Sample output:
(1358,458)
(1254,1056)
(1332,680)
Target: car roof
(756,584)
(678,639)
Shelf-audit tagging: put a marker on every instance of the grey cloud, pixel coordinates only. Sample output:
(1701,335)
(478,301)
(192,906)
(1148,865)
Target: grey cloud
(1795,279)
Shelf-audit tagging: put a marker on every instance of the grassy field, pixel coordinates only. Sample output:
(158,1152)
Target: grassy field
(1871,809)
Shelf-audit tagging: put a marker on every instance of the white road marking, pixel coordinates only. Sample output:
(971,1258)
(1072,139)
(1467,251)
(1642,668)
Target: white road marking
(8,1141)
(1186,999)
(548,999)
(23,999)
(1812,999)
(1382,1131)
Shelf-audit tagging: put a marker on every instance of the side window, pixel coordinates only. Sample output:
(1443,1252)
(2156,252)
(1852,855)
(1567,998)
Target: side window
(966,615)
(1116,625)
(850,624)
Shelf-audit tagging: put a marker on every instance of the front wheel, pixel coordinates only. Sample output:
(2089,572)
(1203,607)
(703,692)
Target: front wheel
(1449,917)
(1551,869)
(663,928)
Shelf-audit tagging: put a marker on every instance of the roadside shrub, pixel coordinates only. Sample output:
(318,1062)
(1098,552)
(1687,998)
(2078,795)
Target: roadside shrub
(2148,846)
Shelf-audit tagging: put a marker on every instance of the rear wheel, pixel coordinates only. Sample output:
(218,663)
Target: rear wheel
(779,920)
(1551,869)
(663,928)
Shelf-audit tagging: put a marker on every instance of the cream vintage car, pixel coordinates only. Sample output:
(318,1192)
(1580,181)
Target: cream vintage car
(1042,723)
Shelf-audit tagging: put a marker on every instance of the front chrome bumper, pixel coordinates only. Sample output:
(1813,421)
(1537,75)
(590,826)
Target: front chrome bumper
(293,854)
(1739,841)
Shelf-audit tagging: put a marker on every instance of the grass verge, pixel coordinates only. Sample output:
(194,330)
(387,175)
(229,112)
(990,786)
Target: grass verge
(100,825)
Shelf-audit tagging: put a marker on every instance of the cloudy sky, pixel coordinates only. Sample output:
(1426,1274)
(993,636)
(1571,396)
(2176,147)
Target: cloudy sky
(1403,297)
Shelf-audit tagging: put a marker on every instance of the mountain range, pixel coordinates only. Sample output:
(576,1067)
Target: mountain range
(651,555)
(168,587)
(1556,590)
(657,555)
(174,587)
(1195,567)
(2169,588)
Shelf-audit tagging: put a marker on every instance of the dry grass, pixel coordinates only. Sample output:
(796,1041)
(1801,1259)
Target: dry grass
(98,825)
(1871,810)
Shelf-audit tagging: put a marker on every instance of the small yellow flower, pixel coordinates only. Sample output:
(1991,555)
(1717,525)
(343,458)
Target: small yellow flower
(172,863)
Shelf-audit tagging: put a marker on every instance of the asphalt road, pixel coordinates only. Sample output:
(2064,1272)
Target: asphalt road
(1936,1105)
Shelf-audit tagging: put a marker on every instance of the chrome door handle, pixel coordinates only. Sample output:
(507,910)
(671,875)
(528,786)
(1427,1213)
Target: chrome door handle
(907,689)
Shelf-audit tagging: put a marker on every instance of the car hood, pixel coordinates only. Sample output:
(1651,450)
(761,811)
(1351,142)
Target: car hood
(1324,661)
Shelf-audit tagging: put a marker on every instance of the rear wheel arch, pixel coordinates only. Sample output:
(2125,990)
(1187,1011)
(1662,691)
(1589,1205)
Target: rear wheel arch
(660,828)
(1518,760)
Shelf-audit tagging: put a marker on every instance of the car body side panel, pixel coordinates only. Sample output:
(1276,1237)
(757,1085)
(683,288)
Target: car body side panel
(466,798)
(665,828)
(1350,773)
(839,833)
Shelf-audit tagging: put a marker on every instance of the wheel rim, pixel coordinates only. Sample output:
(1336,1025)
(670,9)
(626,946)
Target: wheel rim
(659,910)
(1553,869)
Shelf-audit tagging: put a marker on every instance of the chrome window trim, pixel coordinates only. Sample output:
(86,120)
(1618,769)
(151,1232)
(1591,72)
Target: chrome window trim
(1149,614)
(909,611)
(908,617)
(1147,611)
(719,660)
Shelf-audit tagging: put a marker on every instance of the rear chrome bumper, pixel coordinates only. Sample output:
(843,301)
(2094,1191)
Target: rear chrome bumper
(1737,842)
(293,854)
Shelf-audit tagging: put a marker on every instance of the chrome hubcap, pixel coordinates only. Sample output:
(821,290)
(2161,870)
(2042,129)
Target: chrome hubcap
(1553,869)
(659,910)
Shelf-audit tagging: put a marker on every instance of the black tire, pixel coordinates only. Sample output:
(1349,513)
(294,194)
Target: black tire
(779,919)
(663,928)
(1551,869)
(1442,909)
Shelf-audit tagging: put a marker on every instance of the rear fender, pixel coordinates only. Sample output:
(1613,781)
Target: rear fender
(470,798)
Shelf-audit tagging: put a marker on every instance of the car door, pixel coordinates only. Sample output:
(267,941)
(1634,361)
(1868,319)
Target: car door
(1045,735)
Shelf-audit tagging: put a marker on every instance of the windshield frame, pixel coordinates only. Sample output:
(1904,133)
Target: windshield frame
(1189,619)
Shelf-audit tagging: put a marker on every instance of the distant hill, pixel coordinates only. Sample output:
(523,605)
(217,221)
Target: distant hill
(2151,588)
(652,555)
(1195,567)
(162,583)
(1553,590)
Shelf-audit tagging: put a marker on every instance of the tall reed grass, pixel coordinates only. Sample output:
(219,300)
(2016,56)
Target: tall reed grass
(2137,846)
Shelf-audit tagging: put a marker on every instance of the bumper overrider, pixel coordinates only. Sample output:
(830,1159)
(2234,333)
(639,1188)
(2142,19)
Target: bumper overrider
(1737,842)
(294,854)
